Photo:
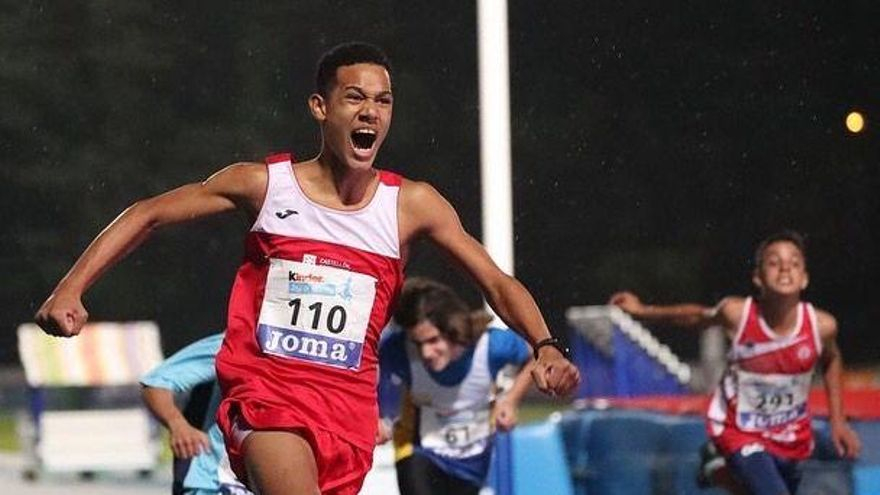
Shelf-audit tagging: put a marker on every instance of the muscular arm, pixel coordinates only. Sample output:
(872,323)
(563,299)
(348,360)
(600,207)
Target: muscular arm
(845,439)
(237,186)
(726,313)
(425,212)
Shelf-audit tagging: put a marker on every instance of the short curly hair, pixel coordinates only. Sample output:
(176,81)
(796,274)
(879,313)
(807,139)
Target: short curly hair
(787,235)
(354,52)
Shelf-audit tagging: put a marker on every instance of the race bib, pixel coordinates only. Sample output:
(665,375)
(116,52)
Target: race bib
(315,313)
(769,401)
(458,434)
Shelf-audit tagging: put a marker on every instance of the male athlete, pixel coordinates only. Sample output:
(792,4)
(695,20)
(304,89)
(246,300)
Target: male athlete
(323,265)
(758,418)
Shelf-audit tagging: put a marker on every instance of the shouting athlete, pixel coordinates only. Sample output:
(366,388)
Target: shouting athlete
(323,266)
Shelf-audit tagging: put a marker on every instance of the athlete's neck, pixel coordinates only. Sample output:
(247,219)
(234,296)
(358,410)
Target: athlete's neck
(780,312)
(349,186)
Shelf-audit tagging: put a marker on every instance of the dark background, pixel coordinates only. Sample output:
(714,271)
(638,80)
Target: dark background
(653,146)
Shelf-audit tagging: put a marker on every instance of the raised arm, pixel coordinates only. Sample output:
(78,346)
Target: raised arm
(845,439)
(726,313)
(237,186)
(425,212)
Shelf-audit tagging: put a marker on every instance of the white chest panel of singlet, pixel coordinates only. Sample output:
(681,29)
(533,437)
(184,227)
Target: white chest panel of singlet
(287,211)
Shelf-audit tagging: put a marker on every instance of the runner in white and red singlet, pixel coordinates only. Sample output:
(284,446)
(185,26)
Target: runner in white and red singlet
(323,265)
(758,417)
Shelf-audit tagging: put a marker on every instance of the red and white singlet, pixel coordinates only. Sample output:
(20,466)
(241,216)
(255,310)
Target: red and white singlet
(762,397)
(306,309)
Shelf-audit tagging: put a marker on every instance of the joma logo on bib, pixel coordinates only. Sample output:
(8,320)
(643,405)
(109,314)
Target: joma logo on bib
(290,343)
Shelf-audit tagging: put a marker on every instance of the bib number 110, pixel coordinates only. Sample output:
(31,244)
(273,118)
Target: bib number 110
(334,321)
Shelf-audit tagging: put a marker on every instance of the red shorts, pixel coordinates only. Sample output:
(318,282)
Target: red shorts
(342,466)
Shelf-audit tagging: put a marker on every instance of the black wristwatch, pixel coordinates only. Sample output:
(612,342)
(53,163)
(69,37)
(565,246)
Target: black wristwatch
(553,341)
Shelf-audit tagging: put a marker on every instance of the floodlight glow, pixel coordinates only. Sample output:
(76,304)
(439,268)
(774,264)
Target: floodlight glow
(855,122)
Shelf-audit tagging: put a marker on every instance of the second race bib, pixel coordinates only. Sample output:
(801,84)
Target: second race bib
(770,401)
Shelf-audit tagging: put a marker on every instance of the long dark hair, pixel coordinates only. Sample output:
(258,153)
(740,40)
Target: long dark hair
(424,299)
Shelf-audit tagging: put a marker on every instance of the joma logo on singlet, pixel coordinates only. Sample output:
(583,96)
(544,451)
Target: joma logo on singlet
(290,344)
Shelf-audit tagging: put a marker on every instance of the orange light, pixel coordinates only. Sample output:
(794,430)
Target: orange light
(855,122)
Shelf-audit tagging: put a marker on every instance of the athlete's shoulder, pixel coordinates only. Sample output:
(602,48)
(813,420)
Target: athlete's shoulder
(416,190)
(497,334)
(241,176)
(728,311)
(242,182)
(422,201)
(506,346)
(827,323)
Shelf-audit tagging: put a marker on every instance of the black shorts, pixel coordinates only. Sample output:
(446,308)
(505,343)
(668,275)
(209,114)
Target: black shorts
(417,475)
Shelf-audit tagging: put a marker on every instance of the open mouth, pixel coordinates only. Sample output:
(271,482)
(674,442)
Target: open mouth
(363,139)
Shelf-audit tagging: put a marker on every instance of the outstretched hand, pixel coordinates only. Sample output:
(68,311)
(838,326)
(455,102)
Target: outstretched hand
(554,374)
(62,315)
(627,301)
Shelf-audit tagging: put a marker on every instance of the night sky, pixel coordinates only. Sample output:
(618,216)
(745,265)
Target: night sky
(653,146)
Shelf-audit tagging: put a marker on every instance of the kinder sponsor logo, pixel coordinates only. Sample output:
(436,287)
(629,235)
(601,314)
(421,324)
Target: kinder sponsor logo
(304,277)
(309,347)
(308,283)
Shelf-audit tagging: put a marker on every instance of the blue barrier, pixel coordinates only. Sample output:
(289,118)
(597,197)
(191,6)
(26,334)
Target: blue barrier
(619,452)
(866,471)
(530,460)
(623,369)
(866,480)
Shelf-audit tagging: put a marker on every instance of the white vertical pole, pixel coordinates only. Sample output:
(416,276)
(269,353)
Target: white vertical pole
(495,167)
(495,132)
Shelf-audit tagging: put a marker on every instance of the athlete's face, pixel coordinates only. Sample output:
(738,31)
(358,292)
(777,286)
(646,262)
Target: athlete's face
(355,114)
(435,350)
(783,270)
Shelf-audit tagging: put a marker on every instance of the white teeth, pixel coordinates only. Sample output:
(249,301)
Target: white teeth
(365,131)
